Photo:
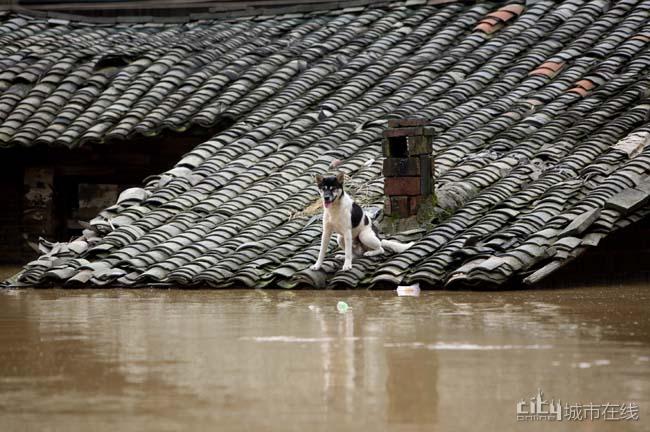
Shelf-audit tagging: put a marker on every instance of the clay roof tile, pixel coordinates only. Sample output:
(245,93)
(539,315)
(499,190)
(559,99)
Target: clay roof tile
(502,15)
(586,84)
(579,90)
(516,9)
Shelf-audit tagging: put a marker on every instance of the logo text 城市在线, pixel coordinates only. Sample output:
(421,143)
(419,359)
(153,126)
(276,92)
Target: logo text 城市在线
(539,409)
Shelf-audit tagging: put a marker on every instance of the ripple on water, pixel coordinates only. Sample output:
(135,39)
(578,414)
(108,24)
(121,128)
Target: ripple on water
(465,346)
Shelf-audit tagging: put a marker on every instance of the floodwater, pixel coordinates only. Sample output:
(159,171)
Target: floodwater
(6,271)
(168,360)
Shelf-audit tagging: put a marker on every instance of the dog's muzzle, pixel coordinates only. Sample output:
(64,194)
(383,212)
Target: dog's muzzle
(328,199)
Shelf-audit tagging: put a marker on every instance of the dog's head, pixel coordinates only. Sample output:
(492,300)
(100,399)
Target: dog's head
(330,187)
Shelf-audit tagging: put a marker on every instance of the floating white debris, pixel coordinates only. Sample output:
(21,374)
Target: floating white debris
(342,307)
(460,346)
(409,290)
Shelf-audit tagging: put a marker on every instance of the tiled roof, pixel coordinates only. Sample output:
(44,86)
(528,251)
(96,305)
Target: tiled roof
(540,116)
(112,11)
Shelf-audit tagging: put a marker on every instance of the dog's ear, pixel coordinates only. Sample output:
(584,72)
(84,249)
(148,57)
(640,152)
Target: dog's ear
(319,179)
(340,177)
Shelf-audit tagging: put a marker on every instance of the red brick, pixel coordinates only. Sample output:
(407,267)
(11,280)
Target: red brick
(414,203)
(428,130)
(397,132)
(426,175)
(399,206)
(400,167)
(419,145)
(387,207)
(402,186)
(396,123)
(409,131)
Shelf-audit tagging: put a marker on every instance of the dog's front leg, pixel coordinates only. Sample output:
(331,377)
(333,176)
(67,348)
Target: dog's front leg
(347,239)
(325,240)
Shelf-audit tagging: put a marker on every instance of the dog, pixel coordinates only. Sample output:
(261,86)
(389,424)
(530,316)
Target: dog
(355,231)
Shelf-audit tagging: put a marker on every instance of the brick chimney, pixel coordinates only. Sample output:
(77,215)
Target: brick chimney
(408,167)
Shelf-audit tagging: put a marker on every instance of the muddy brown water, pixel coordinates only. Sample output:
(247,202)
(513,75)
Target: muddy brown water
(168,360)
(7,271)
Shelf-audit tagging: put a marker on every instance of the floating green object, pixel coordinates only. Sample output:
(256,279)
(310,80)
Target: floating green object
(342,307)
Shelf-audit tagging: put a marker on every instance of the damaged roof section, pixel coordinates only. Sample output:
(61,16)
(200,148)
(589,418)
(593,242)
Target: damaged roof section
(540,138)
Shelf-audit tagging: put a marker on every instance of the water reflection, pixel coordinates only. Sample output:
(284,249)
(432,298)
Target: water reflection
(278,360)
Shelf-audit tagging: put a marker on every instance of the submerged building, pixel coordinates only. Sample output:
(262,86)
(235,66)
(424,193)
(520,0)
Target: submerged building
(538,113)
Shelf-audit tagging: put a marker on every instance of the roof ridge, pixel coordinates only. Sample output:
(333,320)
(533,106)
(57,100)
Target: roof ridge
(194,10)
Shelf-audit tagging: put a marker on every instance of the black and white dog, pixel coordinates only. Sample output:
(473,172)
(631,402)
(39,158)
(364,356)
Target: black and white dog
(356,233)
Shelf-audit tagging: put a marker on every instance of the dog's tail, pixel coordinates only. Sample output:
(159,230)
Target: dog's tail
(395,246)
